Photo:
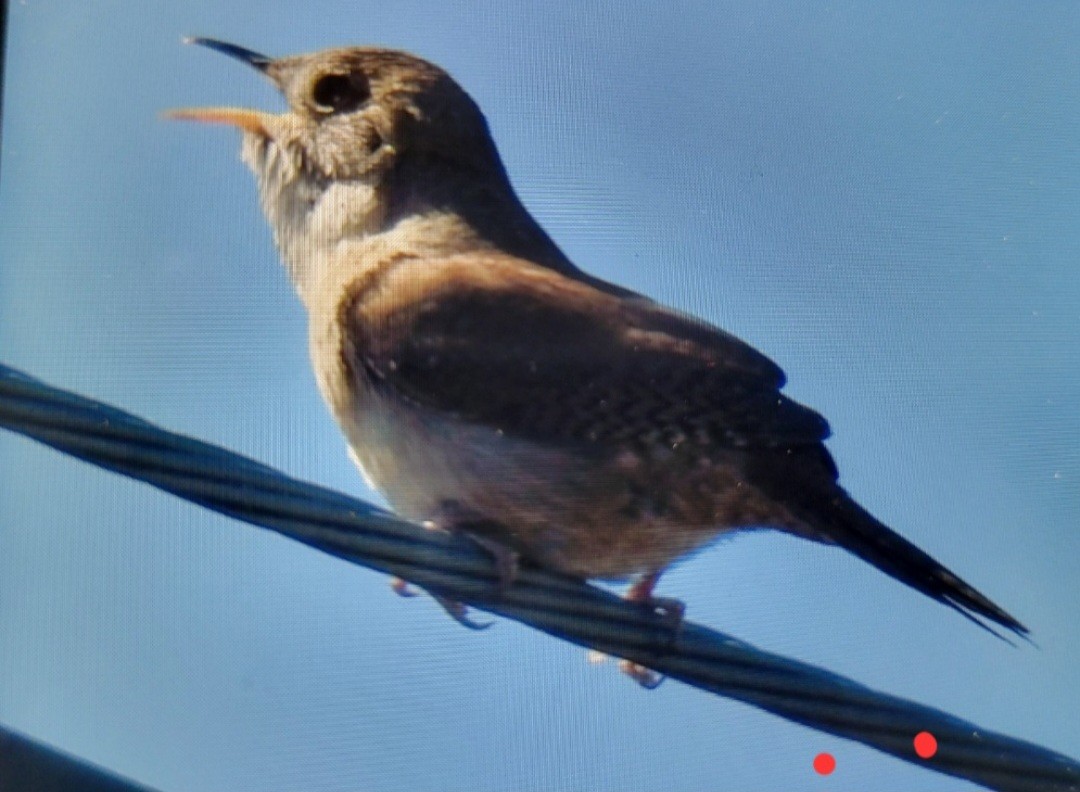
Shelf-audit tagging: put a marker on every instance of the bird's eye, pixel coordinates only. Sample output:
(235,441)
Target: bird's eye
(339,93)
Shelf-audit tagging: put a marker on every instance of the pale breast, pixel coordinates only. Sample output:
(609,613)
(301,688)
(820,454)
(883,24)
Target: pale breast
(602,517)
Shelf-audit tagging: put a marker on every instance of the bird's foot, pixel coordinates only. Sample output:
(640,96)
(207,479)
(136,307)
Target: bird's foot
(506,568)
(458,611)
(401,587)
(643,675)
(669,608)
(646,677)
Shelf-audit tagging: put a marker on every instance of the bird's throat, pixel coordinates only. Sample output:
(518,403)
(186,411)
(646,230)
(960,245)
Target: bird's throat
(322,224)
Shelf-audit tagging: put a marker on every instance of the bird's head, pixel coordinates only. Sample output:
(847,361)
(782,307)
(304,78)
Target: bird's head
(373,137)
(331,166)
(354,112)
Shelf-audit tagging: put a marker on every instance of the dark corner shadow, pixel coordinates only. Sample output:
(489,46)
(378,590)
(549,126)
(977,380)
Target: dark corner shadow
(31,766)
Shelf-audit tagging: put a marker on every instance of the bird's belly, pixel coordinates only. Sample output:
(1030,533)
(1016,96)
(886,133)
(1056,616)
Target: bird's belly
(603,516)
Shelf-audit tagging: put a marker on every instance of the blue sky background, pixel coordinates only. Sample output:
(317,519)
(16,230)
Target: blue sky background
(881,196)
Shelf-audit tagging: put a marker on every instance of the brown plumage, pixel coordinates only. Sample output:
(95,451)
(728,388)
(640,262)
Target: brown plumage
(486,384)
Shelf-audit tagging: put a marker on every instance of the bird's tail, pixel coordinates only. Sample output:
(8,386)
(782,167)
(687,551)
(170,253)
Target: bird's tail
(852,527)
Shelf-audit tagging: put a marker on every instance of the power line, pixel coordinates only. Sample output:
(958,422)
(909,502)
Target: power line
(452,567)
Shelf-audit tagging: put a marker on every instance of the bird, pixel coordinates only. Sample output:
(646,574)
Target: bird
(487,385)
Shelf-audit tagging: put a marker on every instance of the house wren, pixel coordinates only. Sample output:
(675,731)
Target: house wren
(486,384)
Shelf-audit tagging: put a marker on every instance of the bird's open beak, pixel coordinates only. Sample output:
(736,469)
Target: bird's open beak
(249,120)
(254,121)
(252,59)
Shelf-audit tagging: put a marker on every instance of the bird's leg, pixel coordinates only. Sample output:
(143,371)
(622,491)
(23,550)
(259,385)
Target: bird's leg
(506,569)
(506,563)
(641,590)
(672,610)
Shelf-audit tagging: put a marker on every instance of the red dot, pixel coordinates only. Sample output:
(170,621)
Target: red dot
(925,745)
(824,763)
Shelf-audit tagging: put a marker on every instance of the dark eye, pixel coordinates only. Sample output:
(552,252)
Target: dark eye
(340,93)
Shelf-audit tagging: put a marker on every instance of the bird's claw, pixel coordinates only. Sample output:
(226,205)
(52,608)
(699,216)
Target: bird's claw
(459,612)
(401,587)
(646,677)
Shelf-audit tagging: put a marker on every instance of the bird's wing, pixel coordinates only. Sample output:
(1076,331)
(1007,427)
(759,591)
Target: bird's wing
(496,341)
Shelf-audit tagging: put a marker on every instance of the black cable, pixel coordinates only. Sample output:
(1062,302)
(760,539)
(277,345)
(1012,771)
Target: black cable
(452,567)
